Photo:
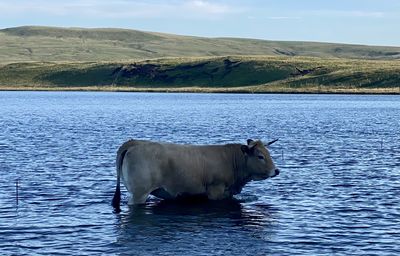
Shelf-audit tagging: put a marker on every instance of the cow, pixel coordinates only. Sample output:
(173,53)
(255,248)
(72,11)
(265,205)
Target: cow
(171,171)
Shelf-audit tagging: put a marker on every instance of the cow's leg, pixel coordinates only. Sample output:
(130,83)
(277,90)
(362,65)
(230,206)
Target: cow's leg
(138,199)
(139,196)
(216,192)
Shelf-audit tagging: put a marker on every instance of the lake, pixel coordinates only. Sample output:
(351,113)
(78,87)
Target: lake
(338,191)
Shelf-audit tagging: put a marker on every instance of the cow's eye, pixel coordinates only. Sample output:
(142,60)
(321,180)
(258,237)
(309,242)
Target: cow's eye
(260,157)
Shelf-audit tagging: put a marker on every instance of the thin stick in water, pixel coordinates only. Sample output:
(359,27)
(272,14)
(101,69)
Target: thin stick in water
(16,191)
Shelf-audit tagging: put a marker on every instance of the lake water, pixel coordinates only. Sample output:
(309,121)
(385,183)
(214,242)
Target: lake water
(338,191)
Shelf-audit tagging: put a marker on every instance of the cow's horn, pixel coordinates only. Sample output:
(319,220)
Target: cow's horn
(272,142)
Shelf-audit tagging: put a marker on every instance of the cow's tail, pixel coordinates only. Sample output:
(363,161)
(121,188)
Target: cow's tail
(117,195)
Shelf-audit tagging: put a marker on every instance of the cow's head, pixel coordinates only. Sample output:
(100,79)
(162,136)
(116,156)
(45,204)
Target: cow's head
(259,163)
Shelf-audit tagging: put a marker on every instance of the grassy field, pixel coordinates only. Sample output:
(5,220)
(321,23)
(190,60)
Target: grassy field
(209,74)
(23,44)
(47,58)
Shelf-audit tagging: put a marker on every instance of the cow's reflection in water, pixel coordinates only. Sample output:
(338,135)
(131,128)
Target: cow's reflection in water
(195,221)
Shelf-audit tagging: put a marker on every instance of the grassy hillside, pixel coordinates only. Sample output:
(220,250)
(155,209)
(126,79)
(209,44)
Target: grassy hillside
(234,73)
(24,44)
(121,59)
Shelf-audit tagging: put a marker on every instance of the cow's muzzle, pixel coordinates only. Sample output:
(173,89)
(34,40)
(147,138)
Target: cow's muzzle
(276,173)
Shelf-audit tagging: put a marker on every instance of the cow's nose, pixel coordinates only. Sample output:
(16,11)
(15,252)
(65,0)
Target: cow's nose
(276,172)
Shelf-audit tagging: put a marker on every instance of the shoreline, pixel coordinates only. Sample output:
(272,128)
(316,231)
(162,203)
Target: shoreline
(229,74)
(244,90)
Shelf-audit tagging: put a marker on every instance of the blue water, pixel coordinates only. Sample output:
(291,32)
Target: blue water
(338,191)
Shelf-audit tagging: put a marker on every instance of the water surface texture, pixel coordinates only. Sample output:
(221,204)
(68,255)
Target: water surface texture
(338,191)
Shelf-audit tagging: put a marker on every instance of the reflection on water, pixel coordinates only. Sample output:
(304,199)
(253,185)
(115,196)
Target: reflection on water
(199,226)
(200,212)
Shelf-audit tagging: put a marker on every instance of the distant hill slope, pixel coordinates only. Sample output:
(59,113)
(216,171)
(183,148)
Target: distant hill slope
(254,73)
(23,44)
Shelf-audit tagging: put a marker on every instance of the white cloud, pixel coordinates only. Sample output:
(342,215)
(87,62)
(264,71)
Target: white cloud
(365,14)
(352,13)
(284,18)
(251,17)
(207,7)
(119,9)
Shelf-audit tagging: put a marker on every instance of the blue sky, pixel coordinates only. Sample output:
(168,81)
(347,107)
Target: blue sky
(373,22)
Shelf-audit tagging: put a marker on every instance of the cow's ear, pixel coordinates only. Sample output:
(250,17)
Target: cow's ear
(249,141)
(245,149)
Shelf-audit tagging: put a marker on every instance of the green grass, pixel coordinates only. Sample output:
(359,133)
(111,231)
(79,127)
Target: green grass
(24,44)
(49,58)
(234,74)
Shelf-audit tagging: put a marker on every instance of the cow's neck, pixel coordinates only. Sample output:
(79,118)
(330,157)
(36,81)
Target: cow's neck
(240,176)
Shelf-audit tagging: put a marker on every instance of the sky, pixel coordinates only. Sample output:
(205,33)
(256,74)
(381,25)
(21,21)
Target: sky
(370,22)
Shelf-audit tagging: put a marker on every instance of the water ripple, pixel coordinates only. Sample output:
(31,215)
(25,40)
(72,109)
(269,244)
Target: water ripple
(337,192)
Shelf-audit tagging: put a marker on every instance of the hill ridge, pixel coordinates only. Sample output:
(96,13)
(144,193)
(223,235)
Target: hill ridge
(41,43)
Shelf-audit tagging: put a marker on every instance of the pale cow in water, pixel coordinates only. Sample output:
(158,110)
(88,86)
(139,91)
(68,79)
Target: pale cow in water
(170,171)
